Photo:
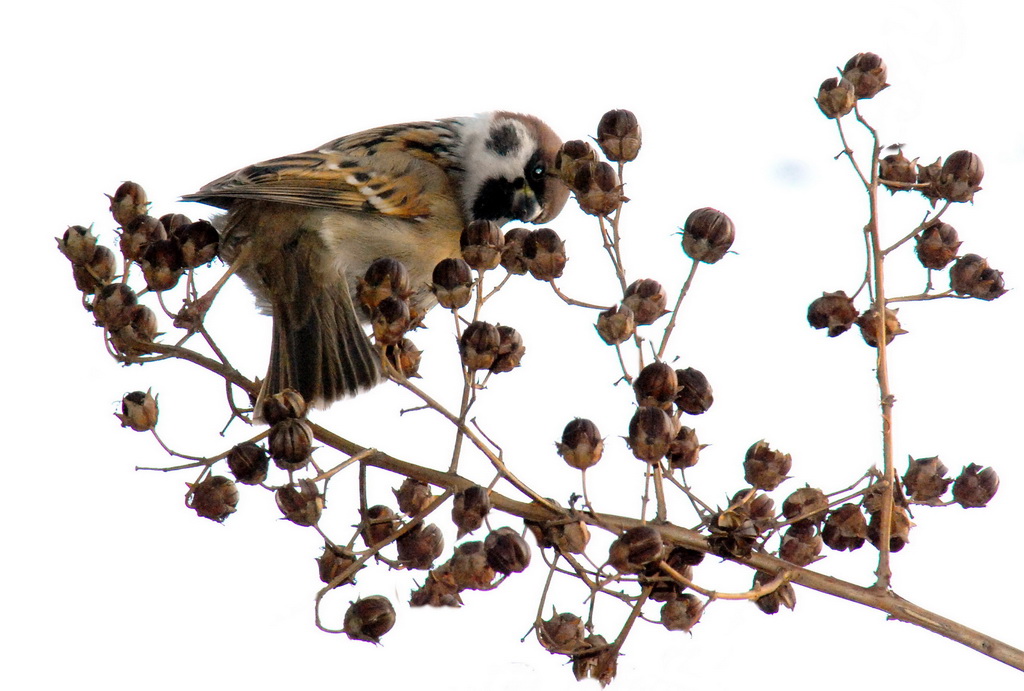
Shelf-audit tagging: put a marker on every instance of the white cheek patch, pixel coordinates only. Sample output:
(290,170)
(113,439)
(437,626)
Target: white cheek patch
(487,154)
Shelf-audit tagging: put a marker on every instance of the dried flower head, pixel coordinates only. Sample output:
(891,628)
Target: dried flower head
(369,618)
(597,188)
(651,431)
(682,613)
(249,463)
(618,135)
(897,172)
(379,524)
(418,548)
(481,243)
(452,283)
(139,411)
(960,176)
(871,326)
(695,396)
(975,486)
(836,97)
(684,450)
(636,548)
(215,498)
(845,528)
(385,277)
(581,445)
(562,634)
(707,235)
(971,275)
(334,562)
(512,258)
(926,479)
(647,299)
(544,254)
(507,551)
(301,502)
(128,202)
(656,385)
(834,311)
(469,509)
(479,345)
(616,324)
(867,73)
(937,245)
(290,443)
(766,468)
(413,496)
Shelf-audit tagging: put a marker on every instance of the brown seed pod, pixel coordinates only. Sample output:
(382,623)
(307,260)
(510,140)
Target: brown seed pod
(481,243)
(141,329)
(439,590)
(77,244)
(695,396)
(616,324)
(379,524)
(707,235)
(390,320)
(385,277)
(413,497)
(581,445)
(845,528)
(452,283)
(418,548)
(597,188)
(469,567)
(636,548)
(139,234)
(510,350)
(651,431)
(139,411)
(283,405)
(784,595)
(163,264)
(899,534)
(113,306)
(937,245)
(99,271)
(928,180)
(512,258)
(479,345)
(684,450)
(544,254)
(334,562)
(562,634)
(597,660)
(573,154)
(369,618)
(960,176)
(215,498)
(290,443)
(248,463)
(925,480)
(647,299)
(507,551)
(566,534)
(766,468)
(801,544)
(897,172)
(405,357)
(128,202)
(199,243)
(871,326)
(656,385)
(834,311)
(469,509)
(618,135)
(975,486)
(301,503)
(867,73)
(732,533)
(971,275)
(682,613)
(172,222)
(808,502)
(836,97)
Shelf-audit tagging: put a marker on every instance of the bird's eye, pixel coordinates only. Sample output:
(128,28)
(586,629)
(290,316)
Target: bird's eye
(537,172)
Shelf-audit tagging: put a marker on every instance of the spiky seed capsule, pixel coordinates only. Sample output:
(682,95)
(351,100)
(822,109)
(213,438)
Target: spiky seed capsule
(141,329)
(616,324)
(766,468)
(834,311)
(975,486)
(801,544)
(647,299)
(760,509)
(479,345)
(695,396)
(418,548)
(469,509)
(618,135)
(684,451)
(215,498)
(597,188)
(335,561)
(390,320)
(405,357)
(707,235)
(469,567)
(481,242)
(656,385)
(128,202)
(291,443)
(439,590)
(139,234)
(960,176)
(510,350)
(507,551)
(597,660)
(581,445)
(301,503)
(97,272)
(452,283)
(897,172)
(573,154)
(139,411)
(199,242)
(871,326)
(248,463)
(112,307)
(562,634)
(385,277)
(77,244)
(636,548)
(512,258)
(682,613)
(379,524)
(845,528)
(836,97)
(971,275)
(769,603)
(544,254)
(733,533)
(163,264)
(369,618)
(937,245)
(284,405)
(651,431)
(867,73)
(928,180)
(810,503)
(899,534)
(926,479)
(413,496)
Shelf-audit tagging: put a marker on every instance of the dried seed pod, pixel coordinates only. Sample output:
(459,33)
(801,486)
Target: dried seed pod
(469,509)
(834,311)
(975,486)
(573,154)
(937,245)
(845,528)
(801,544)
(439,590)
(128,203)
(971,275)
(113,306)
(867,73)
(452,283)
(418,548)
(663,587)
(897,172)
(379,524)
(616,324)
(871,326)
(470,568)
(97,272)
(301,503)
(199,243)
(760,509)
(413,497)
(707,235)
(334,562)
(647,299)
(507,551)
(510,350)
(636,548)
(291,443)
(783,595)
(77,244)
(141,329)
(732,534)
(766,468)
(597,660)
(512,258)
(479,345)
(248,463)
(139,234)
(562,634)
(139,411)
(544,254)
(926,479)
(597,187)
(369,618)
(808,502)
(899,534)
(684,450)
(581,445)
(874,496)
(566,534)
(928,181)
(215,498)
(618,135)
(836,97)
(385,277)
(163,264)
(390,320)
(172,222)
(283,405)
(651,431)
(656,385)
(960,176)
(481,243)
(682,613)
(695,396)
(405,357)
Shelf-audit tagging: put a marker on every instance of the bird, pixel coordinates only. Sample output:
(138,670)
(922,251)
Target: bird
(302,229)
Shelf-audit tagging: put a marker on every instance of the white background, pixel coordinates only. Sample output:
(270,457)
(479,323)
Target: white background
(108,579)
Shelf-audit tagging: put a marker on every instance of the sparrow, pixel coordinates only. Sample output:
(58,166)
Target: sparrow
(302,229)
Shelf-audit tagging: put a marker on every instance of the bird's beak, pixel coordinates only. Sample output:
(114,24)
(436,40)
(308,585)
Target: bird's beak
(525,206)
